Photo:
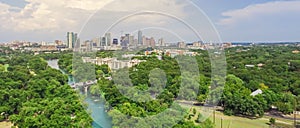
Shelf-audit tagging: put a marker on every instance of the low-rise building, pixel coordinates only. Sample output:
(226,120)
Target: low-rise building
(249,66)
(295,51)
(113,63)
(257,92)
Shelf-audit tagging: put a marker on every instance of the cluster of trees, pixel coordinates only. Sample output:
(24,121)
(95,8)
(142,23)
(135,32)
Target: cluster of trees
(65,63)
(35,95)
(276,72)
(279,71)
(236,99)
(277,76)
(5,51)
(149,89)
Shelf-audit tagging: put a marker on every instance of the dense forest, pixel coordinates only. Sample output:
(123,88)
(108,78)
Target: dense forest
(34,95)
(276,72)
(273,69)
(31,91)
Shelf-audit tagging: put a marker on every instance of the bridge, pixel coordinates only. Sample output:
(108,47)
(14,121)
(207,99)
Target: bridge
(85,85)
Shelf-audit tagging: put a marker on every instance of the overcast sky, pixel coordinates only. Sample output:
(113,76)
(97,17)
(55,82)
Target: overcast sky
(234,20)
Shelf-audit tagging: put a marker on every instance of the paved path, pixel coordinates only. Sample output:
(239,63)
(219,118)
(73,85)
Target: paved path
(281,117)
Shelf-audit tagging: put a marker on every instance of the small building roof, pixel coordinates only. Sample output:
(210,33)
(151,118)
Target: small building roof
(257,92)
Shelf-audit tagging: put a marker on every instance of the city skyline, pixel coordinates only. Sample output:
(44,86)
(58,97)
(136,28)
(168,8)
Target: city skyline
(246,21)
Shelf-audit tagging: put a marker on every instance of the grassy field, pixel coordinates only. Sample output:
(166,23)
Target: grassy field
(5,124)
(241,122)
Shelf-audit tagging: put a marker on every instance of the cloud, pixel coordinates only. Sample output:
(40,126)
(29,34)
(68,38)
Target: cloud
(59,16)
(259,11)
(90,5)
(47,15)
(271,21)
(141,12)
(131,15)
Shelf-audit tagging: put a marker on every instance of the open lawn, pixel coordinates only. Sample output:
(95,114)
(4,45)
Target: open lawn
(241,122)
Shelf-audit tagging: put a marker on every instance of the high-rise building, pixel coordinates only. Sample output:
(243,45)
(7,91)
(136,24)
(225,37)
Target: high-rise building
(136,42)
(181,45)
(69,39)
(140,37)
(144,41)
(126,39)
(103,41)
(152,42)
(77,44)
(161,42)
(115,42)
(72,39)
(131,41)
(96,41)
(108,39)
(124,42)
(75,37)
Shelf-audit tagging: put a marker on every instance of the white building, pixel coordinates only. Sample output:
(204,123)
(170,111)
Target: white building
(257,92)
(113,63)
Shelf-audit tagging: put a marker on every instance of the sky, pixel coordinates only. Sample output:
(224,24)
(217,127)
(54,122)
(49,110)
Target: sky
(187,20)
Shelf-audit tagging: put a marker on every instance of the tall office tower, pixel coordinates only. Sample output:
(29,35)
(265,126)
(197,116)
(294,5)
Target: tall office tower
(78,44)
(75,37)
(96,41)
(131,41)
(147,42)
(108,39)
(100,41)
(124,42)
(152,42)
(122,39)
(70,39)
(126,39)
(144,41)
(115,42)
(140,37)
(127,36)
(161,42)
(103,41)
(136,42)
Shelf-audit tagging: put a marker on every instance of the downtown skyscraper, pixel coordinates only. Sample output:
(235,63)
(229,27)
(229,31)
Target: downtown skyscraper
(140,37)
(71,39)
(106,40)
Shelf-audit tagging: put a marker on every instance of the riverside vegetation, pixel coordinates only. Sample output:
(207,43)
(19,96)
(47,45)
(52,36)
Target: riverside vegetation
(29,87)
